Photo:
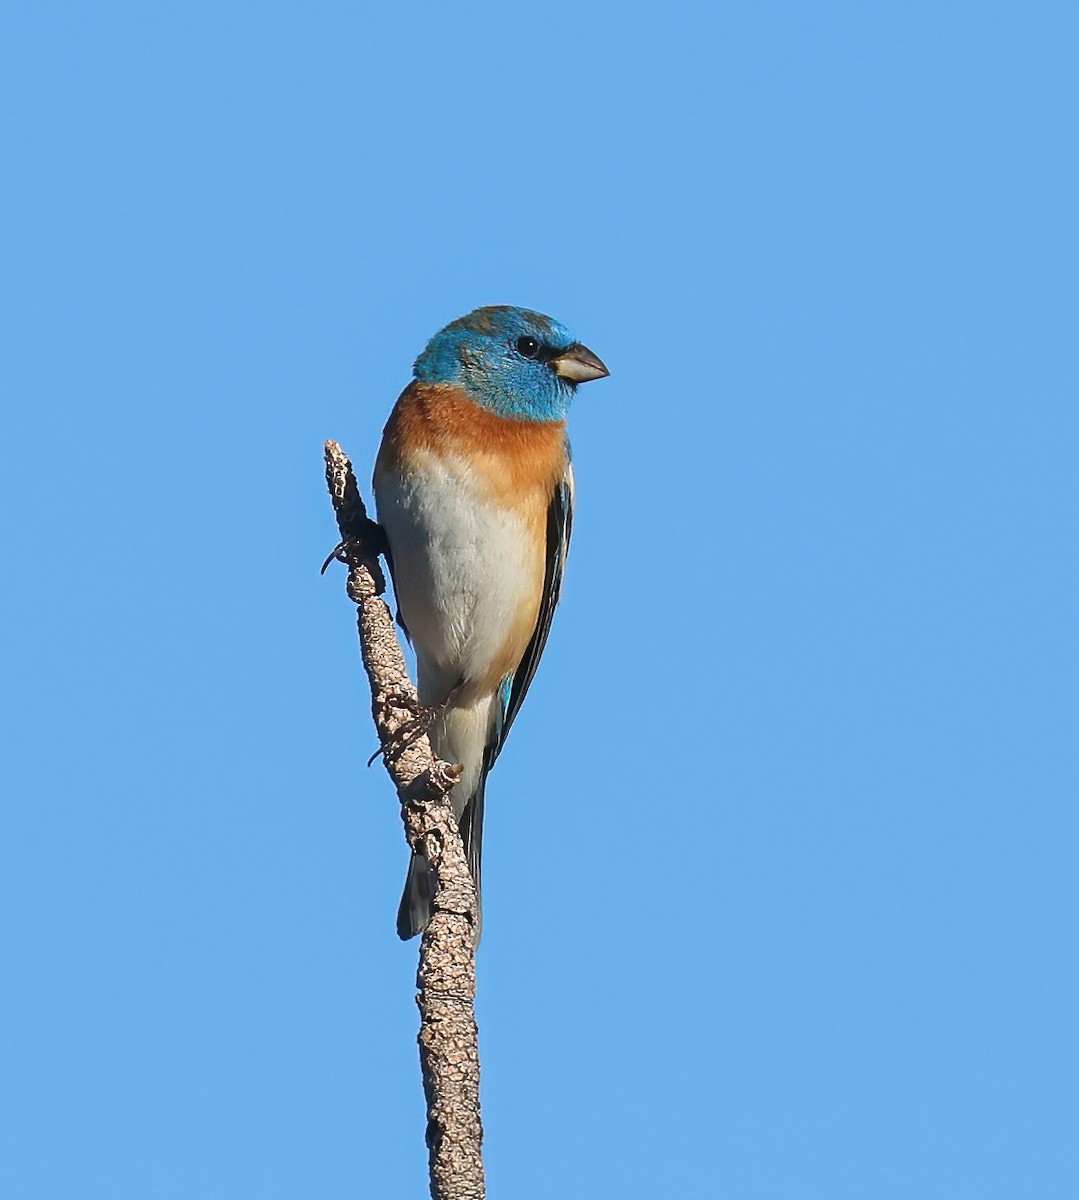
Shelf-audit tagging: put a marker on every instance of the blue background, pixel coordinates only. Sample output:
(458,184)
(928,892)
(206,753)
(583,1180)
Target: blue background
(781,857)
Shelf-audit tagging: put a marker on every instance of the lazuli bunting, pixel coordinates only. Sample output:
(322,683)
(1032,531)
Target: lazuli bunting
(474,489)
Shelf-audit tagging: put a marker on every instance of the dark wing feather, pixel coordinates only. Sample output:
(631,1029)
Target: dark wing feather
(387,554)
(559,527)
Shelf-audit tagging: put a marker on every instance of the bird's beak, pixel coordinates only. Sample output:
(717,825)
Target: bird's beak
(579,364)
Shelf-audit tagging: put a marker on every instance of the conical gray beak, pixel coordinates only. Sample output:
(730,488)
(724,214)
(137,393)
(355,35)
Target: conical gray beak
(579,364)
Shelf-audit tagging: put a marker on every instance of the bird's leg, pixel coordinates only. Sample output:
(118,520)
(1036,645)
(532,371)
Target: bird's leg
(422,717)
(363,545)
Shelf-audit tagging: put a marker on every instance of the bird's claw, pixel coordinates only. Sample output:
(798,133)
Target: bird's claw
(338,554)
(365,543)
(408,733)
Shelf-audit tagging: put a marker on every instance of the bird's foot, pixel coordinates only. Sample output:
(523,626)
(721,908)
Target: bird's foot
(420,725)
(362,547)
(409,732)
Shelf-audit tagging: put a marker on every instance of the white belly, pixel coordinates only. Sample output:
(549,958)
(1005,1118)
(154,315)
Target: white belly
(464,570)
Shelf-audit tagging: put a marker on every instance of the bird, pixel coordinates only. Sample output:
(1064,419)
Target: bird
(473,487)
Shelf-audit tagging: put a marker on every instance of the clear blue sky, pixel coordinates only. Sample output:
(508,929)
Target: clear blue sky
(781,857)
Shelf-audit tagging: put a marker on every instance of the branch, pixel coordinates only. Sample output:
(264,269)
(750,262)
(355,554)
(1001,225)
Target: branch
(448,1039)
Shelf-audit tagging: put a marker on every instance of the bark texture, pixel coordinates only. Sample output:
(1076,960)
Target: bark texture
(449,1038)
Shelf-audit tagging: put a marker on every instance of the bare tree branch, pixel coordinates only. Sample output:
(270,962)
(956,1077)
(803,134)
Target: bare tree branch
(448,1039)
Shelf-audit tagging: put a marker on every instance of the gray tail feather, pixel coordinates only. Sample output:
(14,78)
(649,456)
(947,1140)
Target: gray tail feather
(471,827)
(414,915)
(415,912)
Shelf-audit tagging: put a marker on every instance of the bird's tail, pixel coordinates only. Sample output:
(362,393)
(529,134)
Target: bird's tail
(414,915)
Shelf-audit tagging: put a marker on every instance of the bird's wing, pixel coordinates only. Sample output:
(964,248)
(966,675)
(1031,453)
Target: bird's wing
(388,556)
(559,527)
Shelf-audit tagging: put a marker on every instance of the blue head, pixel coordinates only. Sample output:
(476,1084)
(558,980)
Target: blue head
(514,362)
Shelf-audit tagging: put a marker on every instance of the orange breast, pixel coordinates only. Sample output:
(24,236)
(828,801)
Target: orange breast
(519,463)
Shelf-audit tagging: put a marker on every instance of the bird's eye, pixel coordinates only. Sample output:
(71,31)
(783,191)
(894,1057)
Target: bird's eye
(527,346)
